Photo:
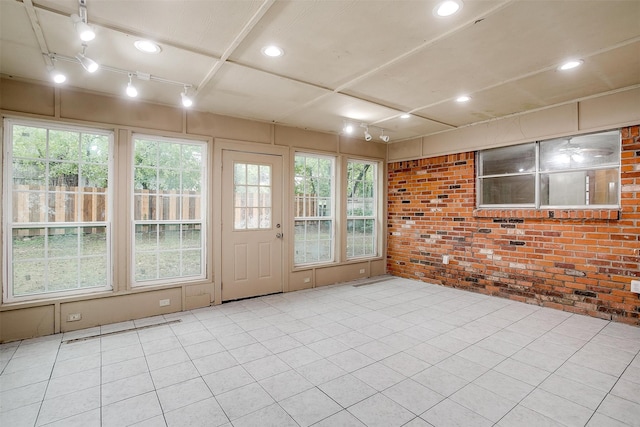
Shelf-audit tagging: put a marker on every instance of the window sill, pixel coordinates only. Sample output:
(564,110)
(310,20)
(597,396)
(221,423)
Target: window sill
(594,214)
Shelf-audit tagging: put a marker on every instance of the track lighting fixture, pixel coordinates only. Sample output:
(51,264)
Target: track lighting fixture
(383,137)
(57,76)
(367,135)
(186,100)
(89,64)
(347,128)
(131,89)
(84,30)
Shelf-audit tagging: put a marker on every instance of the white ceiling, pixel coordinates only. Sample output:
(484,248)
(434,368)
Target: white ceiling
(364,60)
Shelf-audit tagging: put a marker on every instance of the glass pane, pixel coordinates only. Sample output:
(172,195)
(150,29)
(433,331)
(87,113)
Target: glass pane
(63,176)
(169,154)
(94,176)
(580,188)
(62,241)
(192,157)
(265,175)
(169,179)
(240,219)
(265,197)
(191,181)
(507,160)
(169,264)
(146,265)
(93,271)
(95,148)
(265,218)
(580,151)
(240,173)
(29,142)
(253,196)
(146,237)
(93,206)
(29,207)
(146,153)
(29,277)
(169,236)
(253,177)
(144,207)
(28,173)
(170,208)
(191,208)
(191,236)
(191,263)
(508,190)
(145,179)
(253,218)
(27,243)
(62,274)
(240,196)
(64,145)
(93,241)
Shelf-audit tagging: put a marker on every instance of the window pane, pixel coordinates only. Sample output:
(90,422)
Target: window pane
(361,204)
(168,188)
(508,190)
(313,184)
(580,151)
(507,160)
(580,188)
(59,176)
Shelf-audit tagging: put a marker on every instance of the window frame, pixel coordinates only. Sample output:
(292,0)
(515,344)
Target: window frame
(332,218)
(537,174)
(204,193)
(375,210)
(9,225)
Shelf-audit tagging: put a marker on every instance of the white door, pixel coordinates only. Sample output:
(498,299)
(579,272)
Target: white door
(252,230)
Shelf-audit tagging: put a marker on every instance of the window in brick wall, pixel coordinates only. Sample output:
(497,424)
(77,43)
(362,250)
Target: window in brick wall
(573,172)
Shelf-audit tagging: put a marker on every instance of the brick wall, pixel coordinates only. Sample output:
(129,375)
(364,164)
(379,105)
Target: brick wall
(574,260)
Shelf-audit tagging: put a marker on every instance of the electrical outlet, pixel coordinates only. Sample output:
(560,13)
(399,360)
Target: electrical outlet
(74,317)
(445,259)
(165,302)
(635,286)
(307,279)
(362,271)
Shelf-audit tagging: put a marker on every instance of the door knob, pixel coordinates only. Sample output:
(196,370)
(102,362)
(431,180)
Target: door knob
(279,235)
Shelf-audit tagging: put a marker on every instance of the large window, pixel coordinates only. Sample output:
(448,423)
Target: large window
(581,171)
(314,209)
(362,208)
(169,204)
(57,216)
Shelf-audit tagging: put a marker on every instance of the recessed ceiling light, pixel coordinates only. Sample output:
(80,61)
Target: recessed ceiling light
(447,8)
(147,46)
(272,51)
(405,116)
(570,64)
(463,98)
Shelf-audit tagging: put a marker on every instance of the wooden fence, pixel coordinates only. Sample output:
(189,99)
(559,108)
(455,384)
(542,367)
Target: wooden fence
(32,204)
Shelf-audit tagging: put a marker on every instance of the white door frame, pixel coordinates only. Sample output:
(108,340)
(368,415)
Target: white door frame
(218,147)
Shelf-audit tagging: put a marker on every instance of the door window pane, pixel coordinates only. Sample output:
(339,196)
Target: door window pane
(252,196)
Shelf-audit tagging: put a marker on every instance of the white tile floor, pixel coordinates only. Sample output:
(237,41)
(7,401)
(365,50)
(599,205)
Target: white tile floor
(392,353)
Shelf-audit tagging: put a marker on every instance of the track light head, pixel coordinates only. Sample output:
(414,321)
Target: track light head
(383,137)
(57,76)
(84,30)
(89,64)
(367,135)
(186,99)
(131,89)
(347,128)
